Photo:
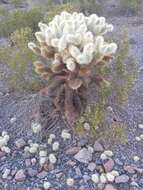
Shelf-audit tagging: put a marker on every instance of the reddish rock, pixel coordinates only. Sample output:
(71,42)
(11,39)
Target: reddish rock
(109,165)
(109,187)
(73,150)
(129,169)
(20,175)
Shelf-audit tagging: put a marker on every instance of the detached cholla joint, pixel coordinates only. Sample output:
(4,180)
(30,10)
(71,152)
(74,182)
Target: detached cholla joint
(70,48)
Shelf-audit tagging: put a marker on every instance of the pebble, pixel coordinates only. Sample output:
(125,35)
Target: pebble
(122,179)
(110,177)
(20,175)
(136,158)
(73,150)
(129,169)
(140,126)
(103,156)
(109,165)
(6,172)
(2,154)
(86,178)
(32,172)
(109,187)
(46,185)
(108,153)
(70,163)
(28,162)
(138,139)
(91,166)
(33,161)
(95,178)
(98,147)
(103,178)
(83,156)
(78,172)
(12,120)
(20,143)
(52,158)
(42,174)
(55,146)
(70,182)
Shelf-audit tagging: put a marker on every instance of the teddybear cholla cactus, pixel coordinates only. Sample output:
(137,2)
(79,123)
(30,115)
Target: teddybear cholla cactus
(75,45)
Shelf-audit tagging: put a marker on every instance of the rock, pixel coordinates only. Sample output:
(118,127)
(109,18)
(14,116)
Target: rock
(42,174)
(71,163)
(91,166)
(12,120)
(73,150)
(20,175)
(6,172)
(20,143)
(109,165)
(46,185)
(32,172)
(122,179)
(78,172)
(86,178)
(70,182)
(98,147)
(110,177)
(95,178)
(83,156)
(2,154)
(33,161)
(141,125)
(109,187)
(119,162)
(83,142)
(129,169)
(28,162)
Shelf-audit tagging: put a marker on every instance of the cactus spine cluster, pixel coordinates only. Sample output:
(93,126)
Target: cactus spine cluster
(75,45)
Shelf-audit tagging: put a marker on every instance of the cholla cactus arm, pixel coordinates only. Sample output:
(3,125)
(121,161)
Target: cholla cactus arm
(75,45)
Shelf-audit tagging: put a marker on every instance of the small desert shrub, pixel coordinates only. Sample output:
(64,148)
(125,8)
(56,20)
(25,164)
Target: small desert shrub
(130,5)
(19,19)
(18,59)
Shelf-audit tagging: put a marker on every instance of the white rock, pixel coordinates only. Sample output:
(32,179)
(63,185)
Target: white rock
(43,153)
(95,178)
(103,178)
(6,173)
(6,149)
(108,153)
(52,158)
(115,173)
(43,160)
(140,126)
(26,149)
(70,182)
(12,120)
(46,185)
(141,136)
(55,146)
(136,158)
(36,127)
(4,133)
(110,177)
(33,150)
(65,135)
(52,136)
(103,156)
(138,138)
